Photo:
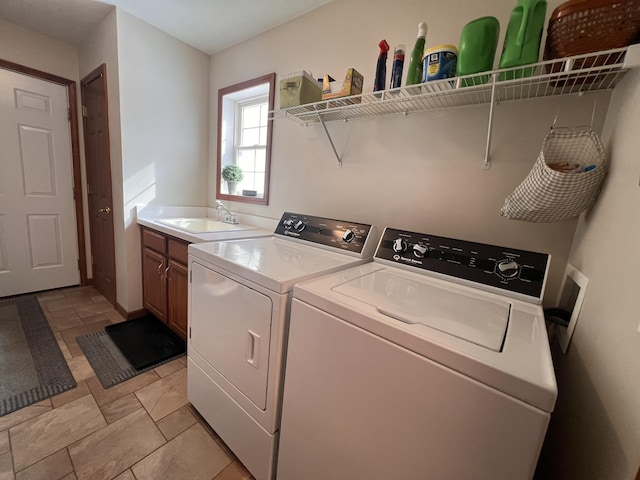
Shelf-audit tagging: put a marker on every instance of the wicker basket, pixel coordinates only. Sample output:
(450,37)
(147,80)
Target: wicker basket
(583,26)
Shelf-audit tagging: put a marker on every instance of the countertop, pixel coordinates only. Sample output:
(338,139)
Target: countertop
(150,216)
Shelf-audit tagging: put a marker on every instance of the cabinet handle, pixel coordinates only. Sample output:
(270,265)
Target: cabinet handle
(160,268)
(166,272)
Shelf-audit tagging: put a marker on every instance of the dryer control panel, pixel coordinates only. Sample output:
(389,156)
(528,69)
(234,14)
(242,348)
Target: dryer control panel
(503,269)
(357,238)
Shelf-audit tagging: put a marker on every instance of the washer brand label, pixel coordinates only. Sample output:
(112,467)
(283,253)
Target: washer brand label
(411,260)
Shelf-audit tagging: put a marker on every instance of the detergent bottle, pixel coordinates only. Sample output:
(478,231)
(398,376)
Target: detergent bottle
(381,67)
(478,43)
(414,72)
(522,40)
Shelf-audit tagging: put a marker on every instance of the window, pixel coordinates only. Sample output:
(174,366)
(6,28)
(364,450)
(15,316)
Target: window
(244,140)
(251,142)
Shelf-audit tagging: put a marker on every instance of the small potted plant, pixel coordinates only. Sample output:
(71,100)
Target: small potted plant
(232,174)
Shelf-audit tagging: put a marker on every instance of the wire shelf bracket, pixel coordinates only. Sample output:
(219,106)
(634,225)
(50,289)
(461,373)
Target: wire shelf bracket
(335,152)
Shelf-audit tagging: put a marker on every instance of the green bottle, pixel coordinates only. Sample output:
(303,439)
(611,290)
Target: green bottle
(523,37)
(414,72)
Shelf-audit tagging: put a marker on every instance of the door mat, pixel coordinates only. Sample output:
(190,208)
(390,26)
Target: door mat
(145,341)
(109,361)
(32,367)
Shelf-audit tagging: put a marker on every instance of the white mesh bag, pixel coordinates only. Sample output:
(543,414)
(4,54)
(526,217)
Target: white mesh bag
(565,179)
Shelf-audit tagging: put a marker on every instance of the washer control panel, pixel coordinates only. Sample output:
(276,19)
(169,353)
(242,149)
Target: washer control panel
(504,268)
(344,235)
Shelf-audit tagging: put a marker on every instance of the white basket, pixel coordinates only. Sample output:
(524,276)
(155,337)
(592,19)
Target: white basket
(548,195)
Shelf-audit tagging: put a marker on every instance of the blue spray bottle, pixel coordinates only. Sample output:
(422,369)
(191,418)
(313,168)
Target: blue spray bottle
(398,64)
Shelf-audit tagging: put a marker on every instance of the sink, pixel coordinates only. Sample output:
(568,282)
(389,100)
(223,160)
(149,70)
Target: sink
(202,225)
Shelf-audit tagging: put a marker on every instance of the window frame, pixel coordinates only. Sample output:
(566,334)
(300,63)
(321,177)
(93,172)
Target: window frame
(228,92)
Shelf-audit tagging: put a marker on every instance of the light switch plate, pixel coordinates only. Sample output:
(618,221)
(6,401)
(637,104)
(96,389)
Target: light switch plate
(572,291)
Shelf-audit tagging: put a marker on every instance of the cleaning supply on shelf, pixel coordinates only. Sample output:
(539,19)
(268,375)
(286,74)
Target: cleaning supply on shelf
(414,72)
(439,62)
(381,67)
(522,40)
(478,43)
(397,66)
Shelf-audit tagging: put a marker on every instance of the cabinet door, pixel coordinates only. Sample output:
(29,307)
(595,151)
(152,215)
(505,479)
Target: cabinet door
(178,290)
(154,283)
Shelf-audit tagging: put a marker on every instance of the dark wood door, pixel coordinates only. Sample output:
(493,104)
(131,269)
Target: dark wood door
(100,204)
(154,283)
(178,291)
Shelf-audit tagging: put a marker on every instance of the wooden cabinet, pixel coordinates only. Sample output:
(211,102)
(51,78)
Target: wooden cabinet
(177,293)
(165,278)
(154,283)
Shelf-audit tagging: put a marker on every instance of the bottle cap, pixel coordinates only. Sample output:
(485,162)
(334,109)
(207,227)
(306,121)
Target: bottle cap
(422,29)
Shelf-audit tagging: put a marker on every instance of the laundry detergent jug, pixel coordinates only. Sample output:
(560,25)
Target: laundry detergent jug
(478,43)
(522,40)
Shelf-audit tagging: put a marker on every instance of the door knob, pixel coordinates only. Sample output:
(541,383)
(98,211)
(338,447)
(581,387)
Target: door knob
(105,210)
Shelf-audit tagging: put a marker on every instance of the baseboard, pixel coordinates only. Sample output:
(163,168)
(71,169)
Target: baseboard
(131,315)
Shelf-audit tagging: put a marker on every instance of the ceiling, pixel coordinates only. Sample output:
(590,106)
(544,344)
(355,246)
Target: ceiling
(208,25)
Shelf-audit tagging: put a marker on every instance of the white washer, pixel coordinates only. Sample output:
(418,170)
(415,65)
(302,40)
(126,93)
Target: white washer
(432,362)
(239,301)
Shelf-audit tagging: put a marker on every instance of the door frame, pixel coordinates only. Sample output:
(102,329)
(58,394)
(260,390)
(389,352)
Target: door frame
(72,105)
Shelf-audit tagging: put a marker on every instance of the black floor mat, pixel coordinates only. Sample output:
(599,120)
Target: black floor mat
(145,341)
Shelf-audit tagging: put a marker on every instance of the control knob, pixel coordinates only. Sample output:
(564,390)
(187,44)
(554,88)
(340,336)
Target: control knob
(288,223)
(508,268)
(348,236)
(299,226)
(399,245)
(420,250)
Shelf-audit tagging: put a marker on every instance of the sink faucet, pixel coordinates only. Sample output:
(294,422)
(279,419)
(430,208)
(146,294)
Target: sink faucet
(228,217)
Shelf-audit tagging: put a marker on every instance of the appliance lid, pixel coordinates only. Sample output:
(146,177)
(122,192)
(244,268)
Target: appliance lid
(481,321)
(272,262)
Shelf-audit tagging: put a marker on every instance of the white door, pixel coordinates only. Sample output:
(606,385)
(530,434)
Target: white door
(38,238)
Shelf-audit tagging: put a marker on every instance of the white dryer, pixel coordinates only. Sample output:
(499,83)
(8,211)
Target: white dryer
(432,362)
(239,301)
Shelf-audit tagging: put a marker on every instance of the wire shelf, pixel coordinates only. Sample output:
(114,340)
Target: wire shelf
(571,75)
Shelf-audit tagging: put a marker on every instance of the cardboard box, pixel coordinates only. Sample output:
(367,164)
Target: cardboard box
(299,88)
(352,85)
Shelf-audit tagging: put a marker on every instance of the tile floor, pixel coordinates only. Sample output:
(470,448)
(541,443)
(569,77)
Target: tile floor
(142,429)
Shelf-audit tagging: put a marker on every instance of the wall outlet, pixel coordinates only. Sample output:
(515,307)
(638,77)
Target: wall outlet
(572,292)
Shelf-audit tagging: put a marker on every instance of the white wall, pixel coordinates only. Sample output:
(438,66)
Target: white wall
(158,89)
(26,47)
(420,172)
(595,431)
(164,85)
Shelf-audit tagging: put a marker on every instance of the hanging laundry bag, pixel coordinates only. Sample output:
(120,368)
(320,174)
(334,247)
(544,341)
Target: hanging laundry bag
(565,179)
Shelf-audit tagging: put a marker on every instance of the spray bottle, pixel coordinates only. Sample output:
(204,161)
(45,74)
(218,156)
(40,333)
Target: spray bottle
(414,73)
(381,67)
(398,64)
